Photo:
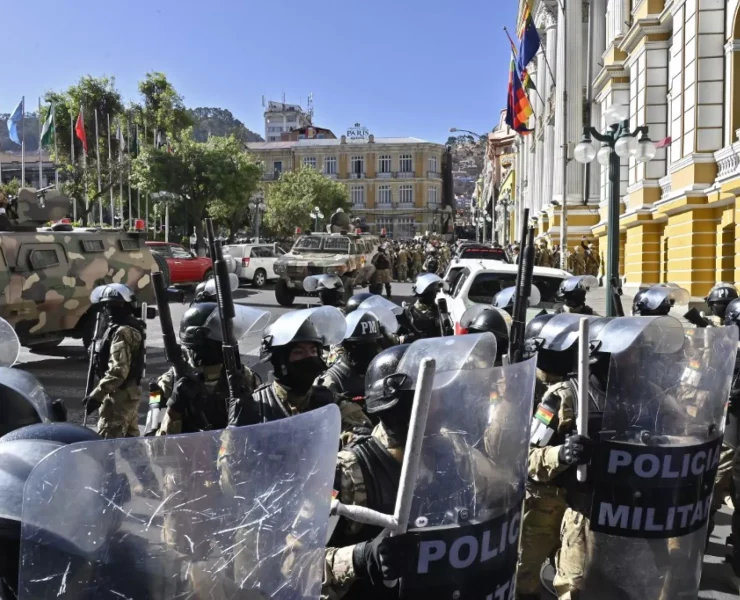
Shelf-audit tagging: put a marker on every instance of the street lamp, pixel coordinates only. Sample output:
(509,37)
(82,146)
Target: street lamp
(316,215)
(617,143)
(505,207)
(258,207)
(456,130)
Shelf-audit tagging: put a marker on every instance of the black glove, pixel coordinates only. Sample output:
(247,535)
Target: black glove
(577,450)
(154,387)
(374,560)
(90,404)
(186,395)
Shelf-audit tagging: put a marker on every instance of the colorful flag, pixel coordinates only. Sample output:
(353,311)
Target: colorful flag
(527,81)
(80,131)
(529,43)
(527,13)
(518,108)
(664,143)
(14,120)
(47,132)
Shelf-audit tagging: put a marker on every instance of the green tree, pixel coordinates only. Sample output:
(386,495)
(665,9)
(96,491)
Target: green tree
(162,107)
(219,121)
(291,199)
(215,174)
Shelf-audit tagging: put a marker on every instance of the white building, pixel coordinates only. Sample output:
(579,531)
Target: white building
(281,117)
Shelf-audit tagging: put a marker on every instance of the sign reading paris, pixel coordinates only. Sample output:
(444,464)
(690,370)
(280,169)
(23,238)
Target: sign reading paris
(357,132)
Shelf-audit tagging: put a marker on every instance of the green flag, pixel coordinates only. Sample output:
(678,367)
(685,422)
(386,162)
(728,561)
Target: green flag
(47,132)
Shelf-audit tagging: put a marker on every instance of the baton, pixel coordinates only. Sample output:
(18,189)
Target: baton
(583,360)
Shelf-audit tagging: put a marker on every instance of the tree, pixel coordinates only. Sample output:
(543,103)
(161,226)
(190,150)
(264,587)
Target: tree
(220,122)
(216,173)
(291,199)
(163,108)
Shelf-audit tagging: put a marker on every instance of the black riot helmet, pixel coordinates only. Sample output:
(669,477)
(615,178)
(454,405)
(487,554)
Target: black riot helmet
(23,401)
(732,313)
(116,299)
(362,339)
(719,297)
(383,384)
(573,290)
(493,321)
(355,301)
(658,300)
(199,341)
(534,327)
(426,287)
(552,362)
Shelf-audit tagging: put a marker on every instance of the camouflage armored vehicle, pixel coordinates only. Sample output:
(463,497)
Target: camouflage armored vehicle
(48,271)
(347,255)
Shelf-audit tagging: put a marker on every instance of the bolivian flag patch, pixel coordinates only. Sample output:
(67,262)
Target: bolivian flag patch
(544,414)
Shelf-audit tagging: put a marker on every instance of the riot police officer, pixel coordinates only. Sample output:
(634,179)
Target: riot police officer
(120,363)
(204,394)
(505,299)
(205,291)
(355,301)
(658,300)
(572,292)
(329,288)
(732,438)
(481,318)
(361,344)
(422,319)
(718,299)
(293,345)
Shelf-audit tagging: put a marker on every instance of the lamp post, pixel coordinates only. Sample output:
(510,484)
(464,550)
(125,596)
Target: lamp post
(258,207)
(316,215)
(617,143)
(505,206)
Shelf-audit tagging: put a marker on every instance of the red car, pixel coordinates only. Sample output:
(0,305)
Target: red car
(185,267)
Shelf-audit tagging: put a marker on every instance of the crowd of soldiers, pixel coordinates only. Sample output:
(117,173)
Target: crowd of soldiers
(355,356)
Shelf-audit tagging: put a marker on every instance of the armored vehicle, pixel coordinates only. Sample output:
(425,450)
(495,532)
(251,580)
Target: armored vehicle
(48,268)
(346,255)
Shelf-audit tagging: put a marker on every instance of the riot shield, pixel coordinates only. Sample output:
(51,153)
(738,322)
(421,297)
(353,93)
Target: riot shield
(463,535)
(247,320)
(656,461)
(239,513)
(506,297)
(377,301)
(424,281)
(328,321)
(561,332)
(10,345)
(210,287)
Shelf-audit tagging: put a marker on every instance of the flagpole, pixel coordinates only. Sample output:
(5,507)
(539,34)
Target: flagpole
(97,160)
(120,169)
(23,141)
(41,165)
(138,191)
(110,178)
(72,154)
(128,131)
(56,147)
(513,49)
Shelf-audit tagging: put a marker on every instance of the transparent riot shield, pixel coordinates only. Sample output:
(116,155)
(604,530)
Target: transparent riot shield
(463,535)
(10,345)
(656,461)
(561,332)
(238,513)
(506,297)
(328,321)
(247,323)
(376,301)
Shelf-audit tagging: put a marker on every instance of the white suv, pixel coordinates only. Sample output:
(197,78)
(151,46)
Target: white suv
(469,282)
(255,262)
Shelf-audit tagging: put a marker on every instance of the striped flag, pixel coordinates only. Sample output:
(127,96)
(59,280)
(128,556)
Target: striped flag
(518,108)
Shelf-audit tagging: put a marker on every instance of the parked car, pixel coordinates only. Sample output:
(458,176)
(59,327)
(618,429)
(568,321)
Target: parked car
(185,267)
(481,251)
(468,282)
(255,262)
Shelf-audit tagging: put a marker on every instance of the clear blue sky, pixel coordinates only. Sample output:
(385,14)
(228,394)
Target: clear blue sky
(399,67)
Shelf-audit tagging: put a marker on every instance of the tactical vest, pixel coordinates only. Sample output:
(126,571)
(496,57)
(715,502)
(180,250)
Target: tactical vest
(381,474)
(343,380)
(271,408)
(216,406)
(381,262)
(424,323)
(136,369)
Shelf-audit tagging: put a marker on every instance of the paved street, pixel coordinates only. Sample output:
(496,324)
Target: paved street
(63,375)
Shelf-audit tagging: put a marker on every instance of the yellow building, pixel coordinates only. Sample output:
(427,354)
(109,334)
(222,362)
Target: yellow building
(394,183)
(676,65)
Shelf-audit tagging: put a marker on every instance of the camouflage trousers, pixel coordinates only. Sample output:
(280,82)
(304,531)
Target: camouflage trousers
(119,414)
(403,273)
(654,569)
(544,507)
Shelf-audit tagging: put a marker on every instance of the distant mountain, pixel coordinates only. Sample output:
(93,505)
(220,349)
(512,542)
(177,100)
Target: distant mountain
(219,121)
(31,125)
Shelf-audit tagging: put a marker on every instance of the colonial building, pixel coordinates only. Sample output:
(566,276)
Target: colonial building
(393,183)
(676,65)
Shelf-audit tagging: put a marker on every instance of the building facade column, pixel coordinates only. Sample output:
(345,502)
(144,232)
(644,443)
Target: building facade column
(548,92)
(598,10)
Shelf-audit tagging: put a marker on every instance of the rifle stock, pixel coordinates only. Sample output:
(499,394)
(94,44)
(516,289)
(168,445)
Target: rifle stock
(694,317)
(523,292)
(240,412)
(172,350)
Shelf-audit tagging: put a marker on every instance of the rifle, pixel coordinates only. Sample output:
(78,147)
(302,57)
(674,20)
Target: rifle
(617,297)
(694,317)
(240,411)
(90,384)
(524,275)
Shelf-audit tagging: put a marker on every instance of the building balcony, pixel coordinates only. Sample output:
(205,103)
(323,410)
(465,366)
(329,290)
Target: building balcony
(357,175)
(728,160)
(665,187)
(330,175)
(434,175)
(384,175)
(358,205)
(405,174)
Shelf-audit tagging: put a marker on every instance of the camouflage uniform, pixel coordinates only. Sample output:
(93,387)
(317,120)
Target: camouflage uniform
(579,310)
(339,572)
(418,258)
(118,388)
(592,261)
(403,269)
(576,262)
(545,256)
(544,504)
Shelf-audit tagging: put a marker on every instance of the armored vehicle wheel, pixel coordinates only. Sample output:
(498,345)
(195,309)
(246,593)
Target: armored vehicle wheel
(283,294)
(163,267)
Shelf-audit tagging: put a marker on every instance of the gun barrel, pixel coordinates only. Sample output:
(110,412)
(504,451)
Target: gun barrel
(172,349)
